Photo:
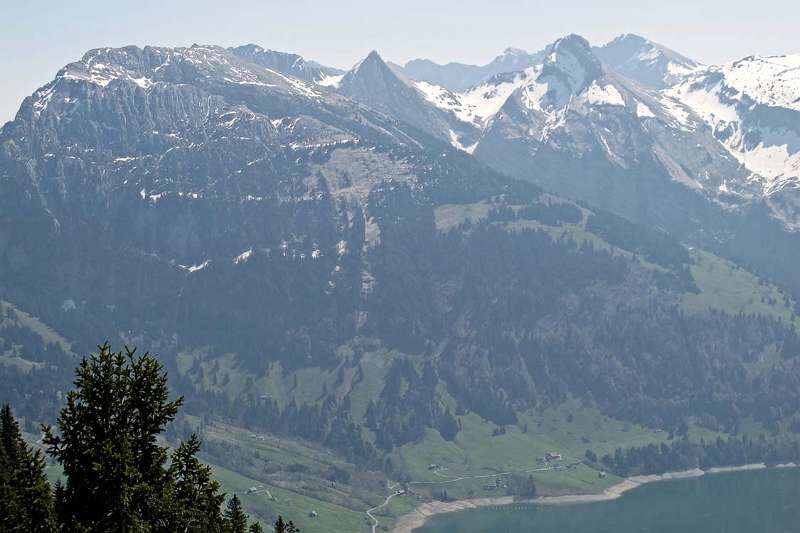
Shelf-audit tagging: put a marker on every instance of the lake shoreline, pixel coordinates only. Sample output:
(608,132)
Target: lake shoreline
(407,523)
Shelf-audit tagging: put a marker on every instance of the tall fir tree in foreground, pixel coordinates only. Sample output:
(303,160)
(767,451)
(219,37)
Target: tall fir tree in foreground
(117,477)
(116,472)
(26,502)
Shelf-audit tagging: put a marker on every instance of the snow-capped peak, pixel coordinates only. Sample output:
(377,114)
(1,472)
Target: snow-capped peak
(478,104)
(768,80)
(648,63)
(151,65)
(753,107)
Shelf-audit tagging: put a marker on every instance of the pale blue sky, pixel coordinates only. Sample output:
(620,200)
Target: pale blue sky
(39,37)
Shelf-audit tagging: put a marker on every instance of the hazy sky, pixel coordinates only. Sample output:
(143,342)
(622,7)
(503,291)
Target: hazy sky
(39,37)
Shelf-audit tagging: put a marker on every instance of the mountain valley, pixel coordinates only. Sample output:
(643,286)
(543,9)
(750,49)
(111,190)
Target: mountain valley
(396,276)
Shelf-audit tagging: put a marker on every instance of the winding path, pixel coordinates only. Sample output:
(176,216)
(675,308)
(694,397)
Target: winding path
(376,523)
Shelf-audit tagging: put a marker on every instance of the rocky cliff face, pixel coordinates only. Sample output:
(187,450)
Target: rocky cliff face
(187,165)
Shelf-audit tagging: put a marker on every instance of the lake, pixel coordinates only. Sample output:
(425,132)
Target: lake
(764,501)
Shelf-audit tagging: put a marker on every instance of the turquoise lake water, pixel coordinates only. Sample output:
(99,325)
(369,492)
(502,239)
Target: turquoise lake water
(764,501)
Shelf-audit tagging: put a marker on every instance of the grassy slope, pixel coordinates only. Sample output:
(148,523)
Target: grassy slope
(289,504)
(266,461)
(726,286)
(10,355)
(47,334)
(270,500)
(476,451)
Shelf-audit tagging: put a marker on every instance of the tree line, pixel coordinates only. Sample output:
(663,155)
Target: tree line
(683,454)
(116,475)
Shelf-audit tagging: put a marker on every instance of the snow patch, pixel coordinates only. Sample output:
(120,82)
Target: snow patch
(769,80)
(483,101)
(330,81)
(243,257)
(478,104)
(197,268)
(533,94)
(456,143)
(679,113)
(606,95)
(642,111)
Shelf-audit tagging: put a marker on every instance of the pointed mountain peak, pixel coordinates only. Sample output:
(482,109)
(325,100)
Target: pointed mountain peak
(373,60)
(575,45)
(371,71)
(374,83)
(372,65)
(374,56)
(572,57)
(370,74)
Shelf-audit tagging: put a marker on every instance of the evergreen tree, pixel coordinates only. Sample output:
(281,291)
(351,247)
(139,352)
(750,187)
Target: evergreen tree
(10,435)
(26,502)
(106,443)
(283,527)
(235,518)
(8,504)
(116,474)
(195,500)
(521,486)
(255,527)
(35,498)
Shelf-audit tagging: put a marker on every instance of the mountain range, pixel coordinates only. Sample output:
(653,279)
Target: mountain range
(707,152)
(390,261)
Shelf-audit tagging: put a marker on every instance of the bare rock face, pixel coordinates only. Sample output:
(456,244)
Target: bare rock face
(157,178)
(373,83)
